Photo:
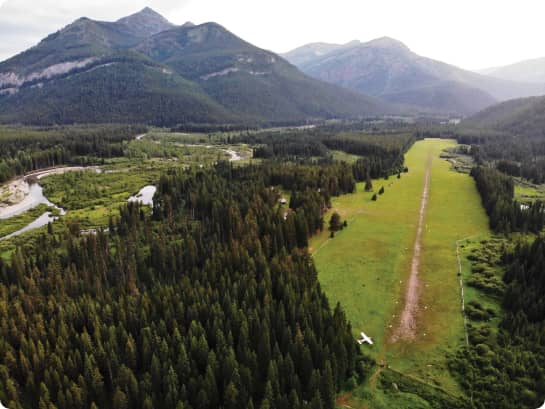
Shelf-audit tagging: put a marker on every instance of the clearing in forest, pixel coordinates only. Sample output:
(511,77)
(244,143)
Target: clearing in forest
(410,231)
(406,329)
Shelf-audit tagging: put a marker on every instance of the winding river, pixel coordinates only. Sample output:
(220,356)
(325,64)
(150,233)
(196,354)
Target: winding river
(41,221)
(235,156)
(34,195)
(144,196)
(34,198)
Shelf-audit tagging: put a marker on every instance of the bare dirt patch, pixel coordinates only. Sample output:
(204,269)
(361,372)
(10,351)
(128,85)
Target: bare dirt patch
(343,400)
(406,330)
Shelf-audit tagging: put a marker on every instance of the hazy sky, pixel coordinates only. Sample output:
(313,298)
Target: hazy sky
(467,33)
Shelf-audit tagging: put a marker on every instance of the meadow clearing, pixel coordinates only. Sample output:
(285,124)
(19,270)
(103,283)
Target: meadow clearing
(366,267)
(91,198)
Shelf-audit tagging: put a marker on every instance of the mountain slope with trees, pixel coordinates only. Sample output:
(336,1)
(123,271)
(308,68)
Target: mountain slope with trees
(142,68)
(387,68)
(523,117)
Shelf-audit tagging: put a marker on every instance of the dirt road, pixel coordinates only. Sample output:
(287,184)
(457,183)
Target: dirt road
(406,329)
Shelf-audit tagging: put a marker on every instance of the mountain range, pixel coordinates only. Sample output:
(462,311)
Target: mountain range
(524,71)
(144,69)
(388,69)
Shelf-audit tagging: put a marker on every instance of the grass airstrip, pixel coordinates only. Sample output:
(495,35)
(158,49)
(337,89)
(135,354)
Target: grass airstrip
(366,266)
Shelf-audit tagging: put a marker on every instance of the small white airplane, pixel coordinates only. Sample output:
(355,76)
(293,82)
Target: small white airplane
(365,338)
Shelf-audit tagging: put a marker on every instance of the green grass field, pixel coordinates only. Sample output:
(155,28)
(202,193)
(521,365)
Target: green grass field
(366,266)
(526,192)
(344,157)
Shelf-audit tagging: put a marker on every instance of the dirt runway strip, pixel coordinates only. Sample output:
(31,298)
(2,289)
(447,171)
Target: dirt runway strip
(406,329)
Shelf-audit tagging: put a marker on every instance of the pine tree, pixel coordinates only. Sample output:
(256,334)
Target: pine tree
(327,388)
(316,402)
(230,396)
(120,400)
(335,223)
(213,316)
(368,184)
(171,388)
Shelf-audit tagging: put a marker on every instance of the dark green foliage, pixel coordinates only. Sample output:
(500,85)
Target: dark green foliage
(381,191)
(260,85)
(335,223)
(526,282)
(114,92)
(368,184)
(520,156)
(503,367)
(374,198)
(485,264)
(509,136)
(27,149)
(505,213)
(381,155)
(522,117)
(393,382)
(476,312)
(211,302)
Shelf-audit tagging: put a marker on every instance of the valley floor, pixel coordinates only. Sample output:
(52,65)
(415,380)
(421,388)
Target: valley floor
(367,266)
(90,195)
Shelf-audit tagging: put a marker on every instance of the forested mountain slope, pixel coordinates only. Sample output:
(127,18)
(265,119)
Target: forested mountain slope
(524,117)
(142,68)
